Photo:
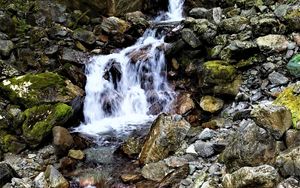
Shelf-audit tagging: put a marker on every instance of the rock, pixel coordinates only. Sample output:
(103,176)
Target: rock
(55,178)
(73,56)
(292,18)
(275,43)
(11,143)
(155,171)
(206,134)
(264,176)
(8,70)
(62,140)
(114,25)
(6,173)
(184,104)
(287,162)
(6,47)
(212,15)
(250,146)
(264,25)
(277,78)
(138,19)
(166,135)
(33,89)
(203,29)
(290,98)
(204,149)
(275,119)
(131,178)
(288,183)
(216,72)
(40,181)
(294,66)
(7,24)
(85,36)
(132,146)
(231,89)
(40,120)
(234,24)
(292,138)
(190,38)
(235,48)
(211,104)
(173,179)
(76,154)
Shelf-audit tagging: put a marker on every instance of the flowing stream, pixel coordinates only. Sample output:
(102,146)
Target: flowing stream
(130,87)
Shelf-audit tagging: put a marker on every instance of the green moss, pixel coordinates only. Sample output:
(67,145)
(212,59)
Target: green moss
(250,61)
(41,119)
(10,143)
(290,98)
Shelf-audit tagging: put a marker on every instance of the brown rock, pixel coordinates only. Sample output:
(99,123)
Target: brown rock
(62,140)
(185,104)
(211,104)
(131,178)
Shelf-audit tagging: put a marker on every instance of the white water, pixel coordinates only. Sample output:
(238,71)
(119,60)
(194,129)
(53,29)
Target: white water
(120,92)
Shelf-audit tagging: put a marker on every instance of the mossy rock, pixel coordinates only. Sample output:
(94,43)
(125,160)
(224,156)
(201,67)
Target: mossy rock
(11,143)
(41,119)
(34,89)
(290,98)
(216,72)
(293,18)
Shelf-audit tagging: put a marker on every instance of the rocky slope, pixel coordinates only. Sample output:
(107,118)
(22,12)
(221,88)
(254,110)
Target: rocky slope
(235,65)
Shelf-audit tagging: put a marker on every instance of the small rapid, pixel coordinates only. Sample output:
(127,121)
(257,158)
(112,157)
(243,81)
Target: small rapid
(130,87)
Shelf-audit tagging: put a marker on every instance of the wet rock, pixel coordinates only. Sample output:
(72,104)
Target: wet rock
(132,146)
(73,56)
(55,178)
(155,171)
(85,36)
(277,78)
(190,38)
(276,43)
(40,120)
(264,176)
(6,173)
(292,138)
(287,162)
(165,136)
(6,47)
(114,25)
(173,179)
(211,104)
(250,146)
(62,140)
(290,98)
(234,24)
(185,104)
(34,89)
(40,181)
(288,183)
(275,119)
(76,154)
(294,66)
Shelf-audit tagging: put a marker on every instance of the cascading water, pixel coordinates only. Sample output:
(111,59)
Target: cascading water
(130,87)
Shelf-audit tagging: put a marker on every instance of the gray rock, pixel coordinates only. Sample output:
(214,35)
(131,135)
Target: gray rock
(155,171)
(234,24)
(114,25)
(264,176)
(292,138)
(289,183)
(73,56)
(204,149)
(40,181)
(6,173)
(189,37)
(275,119)
(203,29)
(275,43)
(85,36)
(6,47)
(281,10)
(51,50)
(288,162)
(206,134)
(277,78)
(56,179)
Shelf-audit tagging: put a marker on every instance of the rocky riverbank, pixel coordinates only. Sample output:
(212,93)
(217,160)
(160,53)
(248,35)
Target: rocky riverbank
(235,123)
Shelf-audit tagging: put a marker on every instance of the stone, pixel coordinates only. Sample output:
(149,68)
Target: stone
(211,104)
(231,88)
(264,176)
(155,171)
(290,98)
(206,134)
(6,47)
(165,136)
(132,146)
(173,179)
(275,119)
(292,18)
(73,56)
(288,163)
(137,18)
(203,29)
(293,66)
(250,146)
(8,70)
(40,120)
(85,36)
(289,183)
(11,143)
(55,178)
(34,89)
(292,138)
(131,178)
(272,42)
(184,104)
(40,181)
(190,38)
(6,173)
(76,154)
(277,79)
(204,149)
(234,24)
(62,140)
(114,25)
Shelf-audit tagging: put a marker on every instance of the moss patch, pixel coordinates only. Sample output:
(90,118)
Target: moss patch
(290,98)
(41,119)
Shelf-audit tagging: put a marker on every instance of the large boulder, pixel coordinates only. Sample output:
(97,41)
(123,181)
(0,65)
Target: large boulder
(264,176)
(33,89)
(275,119)
(250,146)
(166,135)
(40,120)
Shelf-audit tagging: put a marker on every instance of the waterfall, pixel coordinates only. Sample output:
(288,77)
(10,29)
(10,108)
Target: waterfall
(130,87)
